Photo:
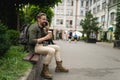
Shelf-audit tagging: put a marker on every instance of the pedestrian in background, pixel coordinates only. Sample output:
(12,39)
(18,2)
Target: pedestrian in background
(75,37)
(70,36)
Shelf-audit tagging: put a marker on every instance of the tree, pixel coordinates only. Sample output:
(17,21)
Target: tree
(4,40)
(9,9)
(28,13)
(89,24)
(117,30)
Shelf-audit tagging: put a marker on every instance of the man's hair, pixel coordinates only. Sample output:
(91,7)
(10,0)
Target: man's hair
(40,14)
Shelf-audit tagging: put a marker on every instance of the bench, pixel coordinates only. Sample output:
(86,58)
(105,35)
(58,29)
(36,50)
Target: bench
(32,57)
(37,61)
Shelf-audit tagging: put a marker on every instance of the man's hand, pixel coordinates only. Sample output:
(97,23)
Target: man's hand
(48,36)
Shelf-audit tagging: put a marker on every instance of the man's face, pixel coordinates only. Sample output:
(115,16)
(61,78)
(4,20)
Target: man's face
(42,19)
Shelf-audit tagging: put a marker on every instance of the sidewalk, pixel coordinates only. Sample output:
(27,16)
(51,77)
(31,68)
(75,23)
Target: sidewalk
(105,44)
(88,61)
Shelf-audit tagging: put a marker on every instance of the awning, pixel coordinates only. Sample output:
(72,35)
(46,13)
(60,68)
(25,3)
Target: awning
(110,28)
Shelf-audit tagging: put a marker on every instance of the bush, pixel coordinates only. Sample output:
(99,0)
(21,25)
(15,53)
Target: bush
(12,67)
(14,36)
(78,38)
(4,40)
(84,38)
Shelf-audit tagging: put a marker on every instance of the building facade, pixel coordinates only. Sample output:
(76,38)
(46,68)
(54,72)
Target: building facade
(69,13)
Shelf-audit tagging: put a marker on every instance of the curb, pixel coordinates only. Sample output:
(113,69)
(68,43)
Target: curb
(26,74)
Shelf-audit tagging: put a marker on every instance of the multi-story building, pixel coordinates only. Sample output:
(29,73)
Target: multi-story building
(99,9)
(105,10)
(69,13)
(112,7)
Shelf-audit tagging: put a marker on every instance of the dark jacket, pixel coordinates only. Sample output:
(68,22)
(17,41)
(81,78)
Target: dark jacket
(34,32)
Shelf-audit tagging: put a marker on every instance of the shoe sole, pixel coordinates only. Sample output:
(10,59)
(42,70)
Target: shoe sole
(61,71)
(46,77)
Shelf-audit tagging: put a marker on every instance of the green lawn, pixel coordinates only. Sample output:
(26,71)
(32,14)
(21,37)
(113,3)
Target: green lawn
(12,67)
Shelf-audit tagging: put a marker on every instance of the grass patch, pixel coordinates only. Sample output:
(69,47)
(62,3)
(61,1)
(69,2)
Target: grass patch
(12,67)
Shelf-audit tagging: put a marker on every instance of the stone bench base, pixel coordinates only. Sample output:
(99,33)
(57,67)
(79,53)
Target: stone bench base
(37,61)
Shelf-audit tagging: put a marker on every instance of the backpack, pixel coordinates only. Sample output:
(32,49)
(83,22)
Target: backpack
(23,38)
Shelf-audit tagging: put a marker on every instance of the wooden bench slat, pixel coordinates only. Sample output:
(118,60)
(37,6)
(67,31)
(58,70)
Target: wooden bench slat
(35,58)
(28,57)
(32,57)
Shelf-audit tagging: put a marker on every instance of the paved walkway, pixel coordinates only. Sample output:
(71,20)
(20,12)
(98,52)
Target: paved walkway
(106,44)
(88,61)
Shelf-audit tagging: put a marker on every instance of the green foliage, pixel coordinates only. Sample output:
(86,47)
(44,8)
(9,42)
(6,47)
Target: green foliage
(12,66)
(9,10)
(83,38)
(117,30)
(14,36)
(89,24)
(28,13)
(4,40)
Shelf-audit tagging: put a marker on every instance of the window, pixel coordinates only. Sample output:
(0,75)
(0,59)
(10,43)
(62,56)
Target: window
(82,3)
(103,5)
(87,3)
(69,23)
(98,8)
(94,10)
(98,19)
(69,2)
(111,2)
(72,3)
(57,12)
(69,12)
(94,1)
(112,17)
(114,1)
(90,2)
(86,12)
(103,18)
(61,11)
(59,21)
(81,13)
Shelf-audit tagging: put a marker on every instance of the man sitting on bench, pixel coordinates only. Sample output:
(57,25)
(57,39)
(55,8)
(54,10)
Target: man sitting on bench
(38,44)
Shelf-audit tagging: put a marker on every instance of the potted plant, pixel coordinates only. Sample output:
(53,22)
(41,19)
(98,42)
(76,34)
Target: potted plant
(90,27)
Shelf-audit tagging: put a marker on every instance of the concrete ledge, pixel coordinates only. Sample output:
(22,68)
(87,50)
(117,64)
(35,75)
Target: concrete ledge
(37,62)
(36,70)
(116,44)
(25,75)
(91,40)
